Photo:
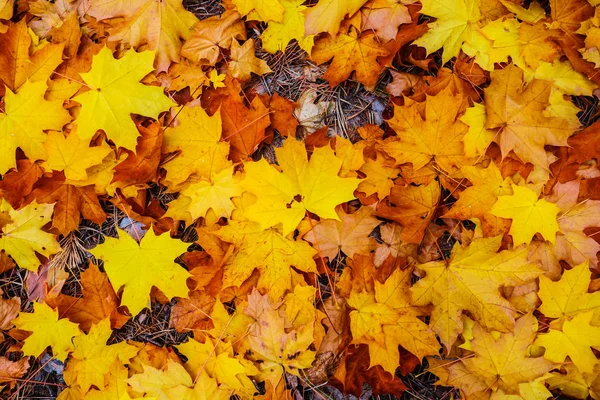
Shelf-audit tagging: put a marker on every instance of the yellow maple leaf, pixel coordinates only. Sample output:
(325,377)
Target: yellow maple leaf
(160,26)
(350,52)
(327,15)
(197,198)
(260,10)
(478,138)
(455,23)
(124,258)
(72,155)
(243,62)
(569,296)
(379,179)
(385,320)
(574,341)
(470,280)
(92,358)
(47,330)
(576,384)
(517,112)
(501,363)
(278,34)
(197,139)
(429,131)
(216,359)
(115,92)
(25,118)
(303,185)
(268,251)
(529,215)
(157,383)
(22,236)
(205,388)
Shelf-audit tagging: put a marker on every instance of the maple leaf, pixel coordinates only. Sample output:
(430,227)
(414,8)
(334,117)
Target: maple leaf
(470,281)
(115,92)
(92,358)
(518,112)
(350,52)
(574,340)
(16,184)
(197,139)
(454,25)
(243,127)
(47,330)
(267,250)
(477,200)
(315,181)
(243,62)
(428,131)
(327,15)
(211,34)
(198,198)
(217,361)
(279,351)
(413,208)
(154,25)
(12,370)
(72,155)
(500,362)
(379,179)
(278,34)
(123,257)
(388,314)
(529,215)
(22,60)
(260,10)
(22,237)
(350,234)
(69,202)
(569,296)
(157,383)
(25,118)
(205,388)
(384,17)
(99,301)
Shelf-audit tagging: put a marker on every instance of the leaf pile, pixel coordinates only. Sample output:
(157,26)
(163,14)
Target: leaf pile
(181,218)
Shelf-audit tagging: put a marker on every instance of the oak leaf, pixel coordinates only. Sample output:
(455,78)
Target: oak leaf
(91,359)
(47,330)
(25,118)
(22,237)
(350,52)
(124,256)
(114,93)
(529,215)
(471,281)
